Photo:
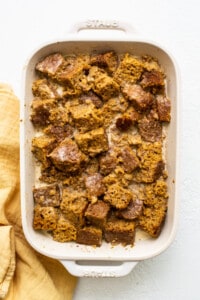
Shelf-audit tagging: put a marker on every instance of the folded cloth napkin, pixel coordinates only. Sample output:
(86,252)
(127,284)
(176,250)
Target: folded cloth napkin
(24,273)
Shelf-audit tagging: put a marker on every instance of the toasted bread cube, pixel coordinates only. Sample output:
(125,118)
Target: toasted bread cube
(120,232)
(152,165)
(106,87)
(107,61)
(154,193)
(118,196)
(129,70)
(72,73)
(89,235)
(153,79)
(73,206)
(45,218)
(140,99)
(150,129)
(50,64)
(112,108)
(65,231)
(94,184)
(59,132)
(92,98)
(47,195)
(41,111)
(45,89)
(86,117)
(41,88)
(103,85)
(149,175)
(92,142)
(132,211)
(153,218)
(41,147)
(129,159)
(96,213)
(108,163)
(164,108)
(67,157)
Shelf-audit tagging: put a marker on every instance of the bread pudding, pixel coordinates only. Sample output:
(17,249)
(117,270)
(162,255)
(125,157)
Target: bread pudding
(99,147)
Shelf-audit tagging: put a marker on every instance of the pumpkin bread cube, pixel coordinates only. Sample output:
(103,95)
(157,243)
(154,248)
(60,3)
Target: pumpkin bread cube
(96,213)
(50,65)
(89,235)
(67,157)
(103,85)
(164,108)
(86,117)
(118,196)
(47,195)
(132,211)
(41,111)
(45,218)
(65,231)
(92,142)
(153,218)
(108,61)
(120,232)
(94,185)
(151,162)
(41,147)
(73,206)
(129,71)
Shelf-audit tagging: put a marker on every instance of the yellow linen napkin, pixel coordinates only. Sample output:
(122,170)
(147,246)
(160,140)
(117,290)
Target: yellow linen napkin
(24,273)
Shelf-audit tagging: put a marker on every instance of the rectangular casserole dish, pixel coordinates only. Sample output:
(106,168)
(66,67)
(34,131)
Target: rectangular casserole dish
(81,260)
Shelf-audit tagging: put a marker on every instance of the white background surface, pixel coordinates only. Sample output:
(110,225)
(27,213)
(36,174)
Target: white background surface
(175,24)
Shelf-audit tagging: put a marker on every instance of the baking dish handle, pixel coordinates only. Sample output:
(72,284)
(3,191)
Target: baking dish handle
(98,268)
(102,25)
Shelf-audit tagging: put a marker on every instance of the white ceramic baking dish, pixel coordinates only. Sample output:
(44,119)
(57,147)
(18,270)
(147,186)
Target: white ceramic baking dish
(81,260)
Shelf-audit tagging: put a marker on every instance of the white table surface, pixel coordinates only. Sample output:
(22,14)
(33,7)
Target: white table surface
(175,24)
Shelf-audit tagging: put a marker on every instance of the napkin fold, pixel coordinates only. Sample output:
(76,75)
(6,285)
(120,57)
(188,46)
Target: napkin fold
(24,273)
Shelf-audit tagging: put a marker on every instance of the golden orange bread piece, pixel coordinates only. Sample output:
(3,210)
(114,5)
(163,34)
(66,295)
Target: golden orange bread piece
(73,206)
(65,231)
(89,235)
(120,232)
(45,218)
